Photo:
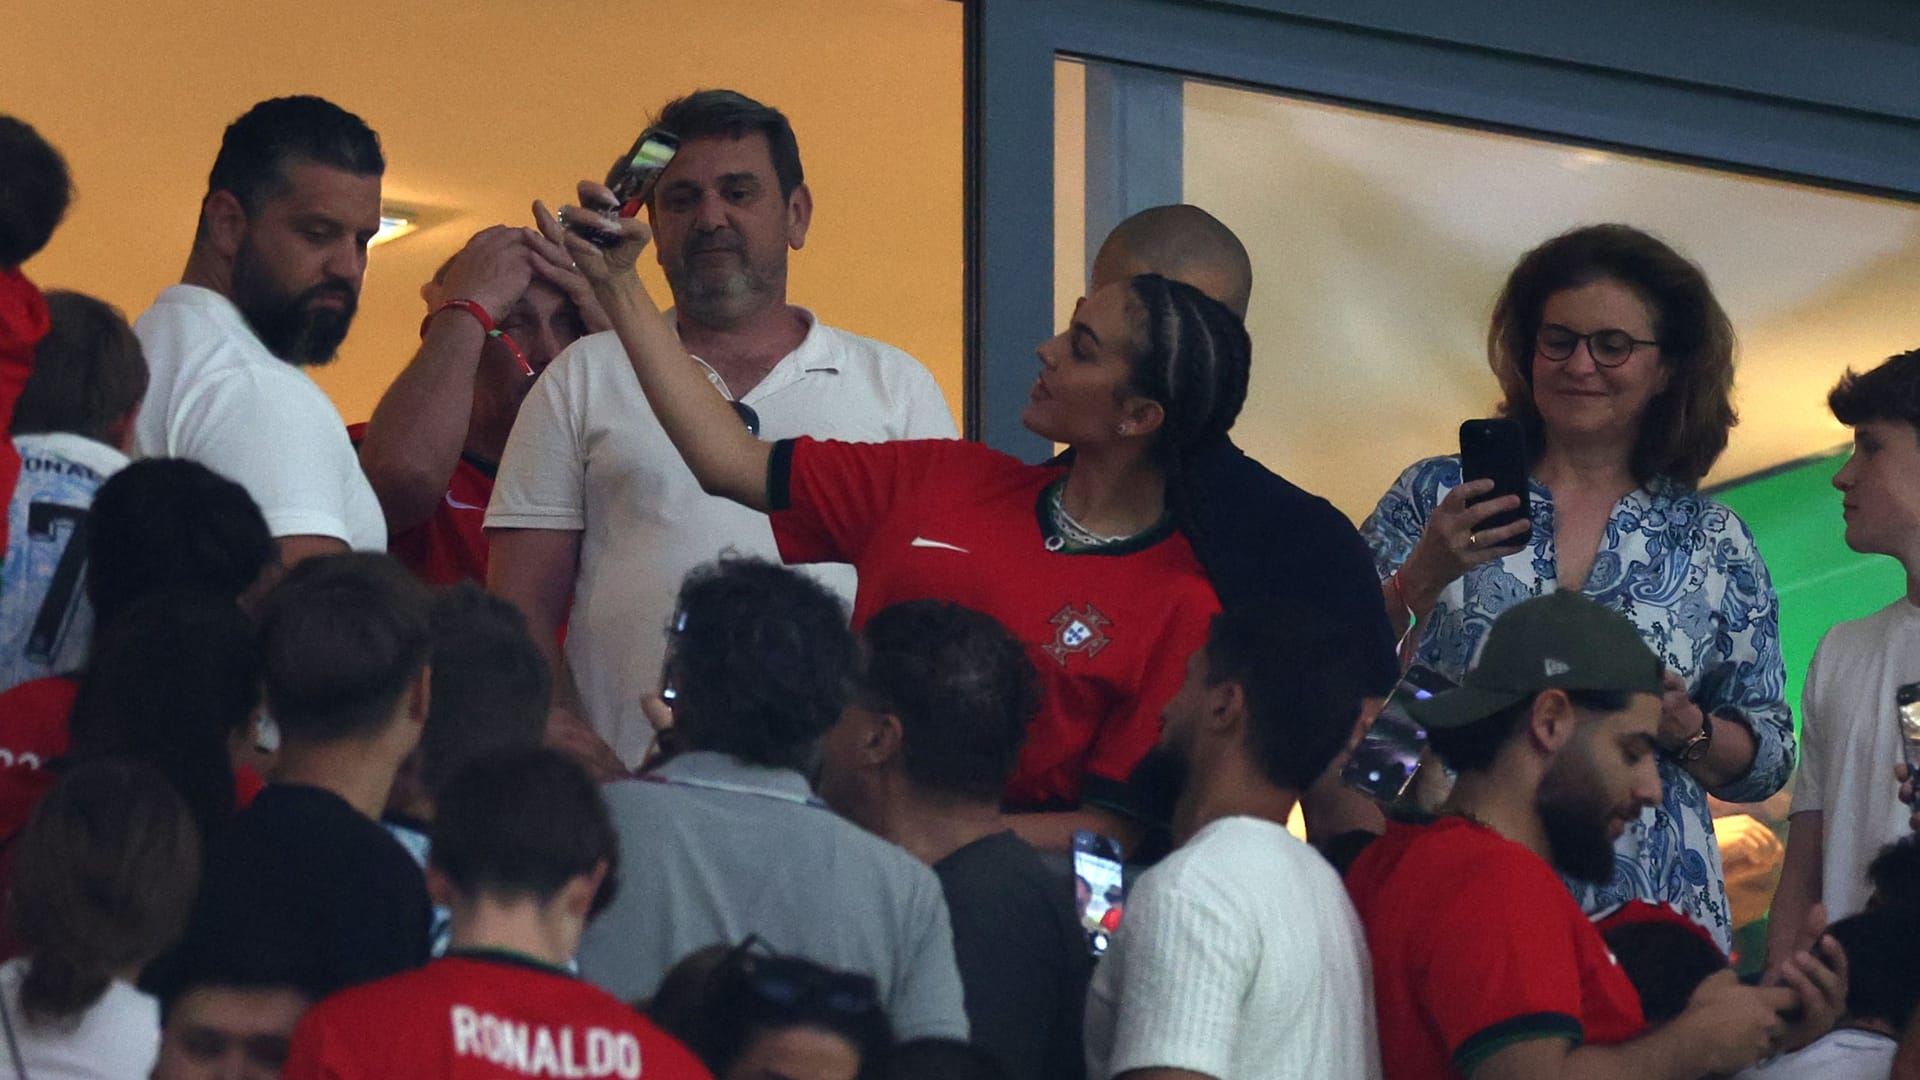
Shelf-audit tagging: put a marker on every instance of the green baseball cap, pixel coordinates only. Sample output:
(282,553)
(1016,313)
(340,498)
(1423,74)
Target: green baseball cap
(1560,641)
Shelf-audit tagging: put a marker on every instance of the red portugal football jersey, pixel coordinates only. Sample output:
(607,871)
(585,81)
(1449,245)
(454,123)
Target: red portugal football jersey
(483,1015)
(1477,945)
(451,545)
(33,731)
(1109,628)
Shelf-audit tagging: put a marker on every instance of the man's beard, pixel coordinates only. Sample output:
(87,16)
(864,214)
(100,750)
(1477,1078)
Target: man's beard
(1156,784)
(721,297)
(292,327)
(1576,820)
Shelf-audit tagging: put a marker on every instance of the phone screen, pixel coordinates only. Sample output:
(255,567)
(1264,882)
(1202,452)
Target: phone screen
(1907,701)
(675,628)
(1497,450)
(1099,887)
(1389,753)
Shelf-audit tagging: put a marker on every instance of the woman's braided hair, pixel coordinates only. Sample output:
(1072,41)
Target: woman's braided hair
(1193,359)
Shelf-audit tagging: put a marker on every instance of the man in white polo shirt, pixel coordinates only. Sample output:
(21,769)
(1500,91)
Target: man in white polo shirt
(270,289)
(595,519)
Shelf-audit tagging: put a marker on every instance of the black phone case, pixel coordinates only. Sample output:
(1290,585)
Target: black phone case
(1497,450)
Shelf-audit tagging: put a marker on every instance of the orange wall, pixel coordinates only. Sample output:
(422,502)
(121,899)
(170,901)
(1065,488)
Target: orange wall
(484,106)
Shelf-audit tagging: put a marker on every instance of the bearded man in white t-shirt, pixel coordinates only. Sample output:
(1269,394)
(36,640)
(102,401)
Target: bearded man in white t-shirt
(595,519)
(1845,802)
(1239,956)
(270,289)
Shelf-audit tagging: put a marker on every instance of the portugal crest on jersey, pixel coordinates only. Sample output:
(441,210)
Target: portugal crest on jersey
(1077,631)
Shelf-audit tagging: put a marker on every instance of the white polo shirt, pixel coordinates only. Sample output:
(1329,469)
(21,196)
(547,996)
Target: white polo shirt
(587,455)
(217,396)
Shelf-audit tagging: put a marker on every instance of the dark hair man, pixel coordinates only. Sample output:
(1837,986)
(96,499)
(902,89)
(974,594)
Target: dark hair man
(1844,808)
(308,867)
(524,856)
(920,757)
(498,312)
(270,288)
(71,428)
(1239,955)
(489,695)
(229,1026)
(1483,963)
(760,662)
(1258,528)
(34,191)
(594,519)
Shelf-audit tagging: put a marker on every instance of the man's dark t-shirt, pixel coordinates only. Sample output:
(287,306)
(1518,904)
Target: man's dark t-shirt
(303,877)
(1023,957)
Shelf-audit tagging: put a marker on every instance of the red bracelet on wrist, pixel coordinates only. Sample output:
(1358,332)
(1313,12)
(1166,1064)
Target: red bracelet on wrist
(1400,592)
(479,312)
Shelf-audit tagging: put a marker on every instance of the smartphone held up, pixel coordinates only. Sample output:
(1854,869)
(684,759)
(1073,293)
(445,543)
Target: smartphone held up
(631,180)
(1496,450)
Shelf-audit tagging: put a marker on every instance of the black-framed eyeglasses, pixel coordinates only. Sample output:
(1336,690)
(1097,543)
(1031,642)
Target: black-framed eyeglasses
(1609,348)
(747,416)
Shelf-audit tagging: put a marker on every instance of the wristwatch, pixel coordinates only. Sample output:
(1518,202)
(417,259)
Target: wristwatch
(1699,743)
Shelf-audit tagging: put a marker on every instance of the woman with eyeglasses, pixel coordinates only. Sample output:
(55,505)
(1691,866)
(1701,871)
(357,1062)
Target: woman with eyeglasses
(1090,561)
(1617,361)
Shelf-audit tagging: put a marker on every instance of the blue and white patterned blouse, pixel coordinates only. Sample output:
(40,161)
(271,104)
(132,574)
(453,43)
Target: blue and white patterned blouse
(1685,569)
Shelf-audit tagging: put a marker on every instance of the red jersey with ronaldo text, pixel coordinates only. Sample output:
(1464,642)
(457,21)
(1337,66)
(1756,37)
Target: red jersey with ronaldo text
(1109,628)
(1478,945)
(479,1014)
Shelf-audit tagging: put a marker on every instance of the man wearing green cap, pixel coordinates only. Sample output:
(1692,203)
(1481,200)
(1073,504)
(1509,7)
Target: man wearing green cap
(1484,965)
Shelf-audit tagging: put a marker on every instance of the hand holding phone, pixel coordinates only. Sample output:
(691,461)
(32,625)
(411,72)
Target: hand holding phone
(630,184)
(1496,450)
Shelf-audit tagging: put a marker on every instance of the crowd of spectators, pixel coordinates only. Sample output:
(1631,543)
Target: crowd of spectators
(667,692)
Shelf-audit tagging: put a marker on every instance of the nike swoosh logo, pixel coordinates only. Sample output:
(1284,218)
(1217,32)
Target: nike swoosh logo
(923,542)
(458,505)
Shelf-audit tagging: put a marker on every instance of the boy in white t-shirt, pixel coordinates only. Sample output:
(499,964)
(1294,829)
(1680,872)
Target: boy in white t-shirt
(1240,956)
(1846,804)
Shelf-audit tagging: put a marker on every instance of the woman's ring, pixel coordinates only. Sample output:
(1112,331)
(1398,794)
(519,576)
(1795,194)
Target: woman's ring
(1473,540)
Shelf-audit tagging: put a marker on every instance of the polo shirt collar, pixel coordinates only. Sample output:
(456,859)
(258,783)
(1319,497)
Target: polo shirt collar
(815,353)
(715,767)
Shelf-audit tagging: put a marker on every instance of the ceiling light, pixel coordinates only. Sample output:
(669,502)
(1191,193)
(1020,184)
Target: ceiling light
(394,224)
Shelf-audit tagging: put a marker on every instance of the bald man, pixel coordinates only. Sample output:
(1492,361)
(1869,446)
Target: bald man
(1181,242)
(1263,540)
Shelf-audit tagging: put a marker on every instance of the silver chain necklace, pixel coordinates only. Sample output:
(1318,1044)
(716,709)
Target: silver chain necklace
(1069,531)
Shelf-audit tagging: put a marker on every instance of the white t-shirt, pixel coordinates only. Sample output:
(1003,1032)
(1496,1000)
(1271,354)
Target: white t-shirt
(46,621)
(216,395)
(1846,1054)
(588,455)
(117,1039)
(1239,957)
(1850,742)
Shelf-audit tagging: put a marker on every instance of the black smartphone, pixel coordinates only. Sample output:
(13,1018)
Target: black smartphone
(1906,700)
(1497,450)
(1099,887)
(1384,764)
(631,180)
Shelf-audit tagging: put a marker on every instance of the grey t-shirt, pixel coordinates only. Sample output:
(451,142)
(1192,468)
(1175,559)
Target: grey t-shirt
(712,850)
